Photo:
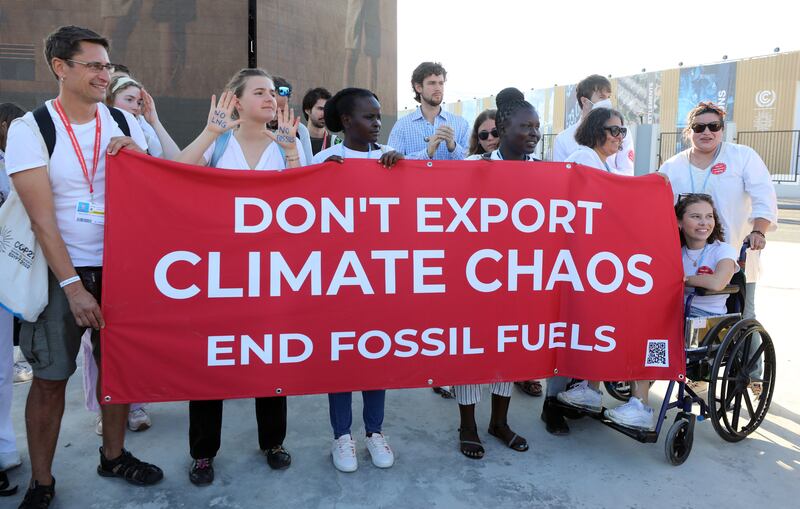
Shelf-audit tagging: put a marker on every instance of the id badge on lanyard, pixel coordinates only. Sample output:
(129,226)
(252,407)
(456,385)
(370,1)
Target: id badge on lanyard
(85,211)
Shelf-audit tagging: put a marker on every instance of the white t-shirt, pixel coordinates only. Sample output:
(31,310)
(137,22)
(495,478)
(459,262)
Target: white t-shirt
(345,153)
(707,262)
(588,157)
(494,156)
(741,187)
(154,147)
(620,163)
(4,184)
(271,159)
(24,151)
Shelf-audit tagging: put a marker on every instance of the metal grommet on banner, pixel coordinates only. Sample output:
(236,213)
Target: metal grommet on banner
(430,381)
(430,164)
(107,399)
(555,371)
(278,390)
(569,166)
(680,377)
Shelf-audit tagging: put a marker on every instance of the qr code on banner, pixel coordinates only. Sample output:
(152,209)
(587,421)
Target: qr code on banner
(657,353)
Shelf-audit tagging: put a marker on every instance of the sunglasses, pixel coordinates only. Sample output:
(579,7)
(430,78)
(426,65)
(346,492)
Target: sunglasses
(484,135)
(686,196)
(284,91)
(712,126)
(616,130)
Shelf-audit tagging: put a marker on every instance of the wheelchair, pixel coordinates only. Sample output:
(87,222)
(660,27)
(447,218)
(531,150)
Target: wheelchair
(722,351)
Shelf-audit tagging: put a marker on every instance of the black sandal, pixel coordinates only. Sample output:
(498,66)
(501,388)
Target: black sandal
(5,491)
(443,392)
(469,448)
(128,467)
(516,443)
(530,387)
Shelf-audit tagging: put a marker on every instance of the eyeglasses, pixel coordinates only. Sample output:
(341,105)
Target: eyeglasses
(712,126)
(484,135)
(284,91)
(95,66)
(615,130)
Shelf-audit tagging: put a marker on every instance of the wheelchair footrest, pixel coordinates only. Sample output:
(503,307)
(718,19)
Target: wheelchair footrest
(644,436)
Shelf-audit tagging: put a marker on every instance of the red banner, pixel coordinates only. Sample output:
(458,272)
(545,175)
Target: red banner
(337,277)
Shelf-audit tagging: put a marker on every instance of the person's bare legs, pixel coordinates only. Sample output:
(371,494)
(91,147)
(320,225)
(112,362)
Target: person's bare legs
(641,389)
(115,418)
(43,412)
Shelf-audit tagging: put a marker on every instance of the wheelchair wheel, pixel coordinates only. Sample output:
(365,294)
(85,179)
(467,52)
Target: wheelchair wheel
(680,439)
(619,390)
(735,411)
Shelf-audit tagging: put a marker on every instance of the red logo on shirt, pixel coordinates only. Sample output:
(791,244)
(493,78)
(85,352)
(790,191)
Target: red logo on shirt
(718,168)
(630,155)
(704,270)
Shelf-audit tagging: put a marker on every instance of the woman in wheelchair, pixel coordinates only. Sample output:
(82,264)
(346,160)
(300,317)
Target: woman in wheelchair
(709,263)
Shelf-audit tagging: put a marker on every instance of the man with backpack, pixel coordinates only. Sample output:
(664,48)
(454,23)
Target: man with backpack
(56,159)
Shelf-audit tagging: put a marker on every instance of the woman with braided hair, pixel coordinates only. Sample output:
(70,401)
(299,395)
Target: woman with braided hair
(517,126)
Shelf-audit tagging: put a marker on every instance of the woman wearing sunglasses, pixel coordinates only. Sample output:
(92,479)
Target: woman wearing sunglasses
(599,137)
(484,133)
(737,180)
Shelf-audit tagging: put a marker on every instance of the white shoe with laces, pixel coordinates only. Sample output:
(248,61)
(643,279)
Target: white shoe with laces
(343,451)
(582,396)
(379,450)
(138,420)
(633,414)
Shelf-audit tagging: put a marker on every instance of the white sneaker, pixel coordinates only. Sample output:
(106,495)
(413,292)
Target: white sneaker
(138,420)
(9,460)
(582,396)
(22,372)
(382,455)
(343,451)
(98,425)
(633,414)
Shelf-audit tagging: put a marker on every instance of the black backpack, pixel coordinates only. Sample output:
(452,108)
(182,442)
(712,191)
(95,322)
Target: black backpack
(48,128)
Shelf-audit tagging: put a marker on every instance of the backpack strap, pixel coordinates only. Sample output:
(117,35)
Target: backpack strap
(220,144)
(122,122)
(46,127)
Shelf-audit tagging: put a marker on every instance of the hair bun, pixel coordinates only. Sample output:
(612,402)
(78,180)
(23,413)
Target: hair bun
(508,95)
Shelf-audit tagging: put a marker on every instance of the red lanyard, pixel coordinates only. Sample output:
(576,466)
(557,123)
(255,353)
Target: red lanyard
(324,140)
(77,147)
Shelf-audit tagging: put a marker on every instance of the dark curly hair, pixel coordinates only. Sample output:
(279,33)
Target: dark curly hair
(685,200)
(591,132)
(424,70)
(342,103)
(311,98)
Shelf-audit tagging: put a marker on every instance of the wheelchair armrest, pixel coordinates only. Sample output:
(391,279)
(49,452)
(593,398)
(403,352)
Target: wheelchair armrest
(728,290)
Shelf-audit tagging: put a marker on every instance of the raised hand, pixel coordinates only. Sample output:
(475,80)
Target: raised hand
(219,115)
(149,108)
(286,133)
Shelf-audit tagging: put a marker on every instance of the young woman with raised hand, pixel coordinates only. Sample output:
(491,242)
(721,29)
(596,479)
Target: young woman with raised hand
(236,138)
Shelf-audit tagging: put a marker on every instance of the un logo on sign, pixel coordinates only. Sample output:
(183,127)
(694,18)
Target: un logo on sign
(765,98)
(5,239)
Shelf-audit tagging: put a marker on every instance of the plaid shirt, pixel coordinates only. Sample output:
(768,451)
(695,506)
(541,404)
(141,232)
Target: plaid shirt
(409,133)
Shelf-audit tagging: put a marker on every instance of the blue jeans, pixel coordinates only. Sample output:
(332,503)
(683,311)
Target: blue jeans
(341,410)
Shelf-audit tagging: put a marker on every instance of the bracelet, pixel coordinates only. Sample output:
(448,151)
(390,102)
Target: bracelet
(69,281)
(293,159)
(760,233)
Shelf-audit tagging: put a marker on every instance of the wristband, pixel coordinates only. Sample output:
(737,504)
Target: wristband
(69,281)
(759,233)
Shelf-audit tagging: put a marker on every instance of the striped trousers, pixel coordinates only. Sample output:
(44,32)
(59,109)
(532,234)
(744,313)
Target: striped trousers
(471,394)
